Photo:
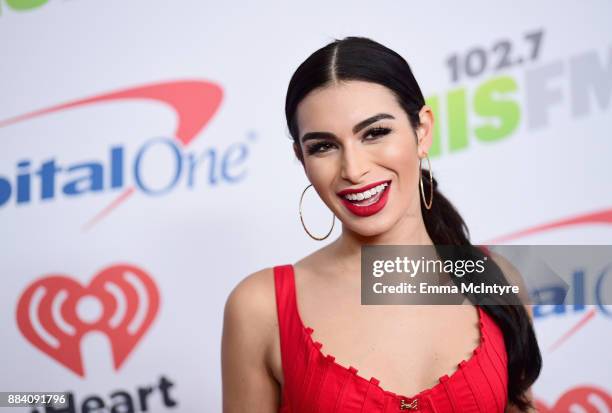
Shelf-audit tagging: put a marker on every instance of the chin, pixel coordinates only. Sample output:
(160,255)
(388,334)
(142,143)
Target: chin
(369,229)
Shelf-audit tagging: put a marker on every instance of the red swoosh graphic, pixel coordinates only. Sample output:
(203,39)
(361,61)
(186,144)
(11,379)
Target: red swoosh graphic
(194,101)
(581,323)
(599,217)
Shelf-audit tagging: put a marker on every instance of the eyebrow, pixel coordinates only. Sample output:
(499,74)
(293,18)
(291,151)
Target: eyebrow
(364,123)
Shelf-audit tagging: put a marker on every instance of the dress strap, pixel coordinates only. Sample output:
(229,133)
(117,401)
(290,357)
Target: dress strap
(284,285)
(286,308)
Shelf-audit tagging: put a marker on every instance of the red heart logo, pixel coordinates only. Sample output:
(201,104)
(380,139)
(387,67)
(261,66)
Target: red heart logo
(587,399)
(51,316)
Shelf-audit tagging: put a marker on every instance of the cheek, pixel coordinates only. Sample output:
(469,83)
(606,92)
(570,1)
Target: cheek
(320,172)
(402,158)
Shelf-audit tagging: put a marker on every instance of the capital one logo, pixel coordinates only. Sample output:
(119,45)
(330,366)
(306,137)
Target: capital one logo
(55,312)
(194,102)
(598,218)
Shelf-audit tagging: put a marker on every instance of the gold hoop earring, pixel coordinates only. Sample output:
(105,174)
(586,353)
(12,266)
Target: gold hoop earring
(428,206)
(304,225)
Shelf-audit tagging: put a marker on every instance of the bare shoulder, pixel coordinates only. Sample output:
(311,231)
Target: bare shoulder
(251,305)
(249,325)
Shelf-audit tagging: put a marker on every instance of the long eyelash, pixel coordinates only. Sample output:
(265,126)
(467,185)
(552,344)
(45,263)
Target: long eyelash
(314,148)
(377,132)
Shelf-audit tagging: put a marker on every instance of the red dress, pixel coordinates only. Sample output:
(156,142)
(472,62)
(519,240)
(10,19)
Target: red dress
(315,382)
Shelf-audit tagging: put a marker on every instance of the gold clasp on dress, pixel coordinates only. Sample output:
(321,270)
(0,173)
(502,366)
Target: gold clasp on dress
(413,405)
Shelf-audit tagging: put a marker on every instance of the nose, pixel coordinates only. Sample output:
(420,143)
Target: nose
(354,164)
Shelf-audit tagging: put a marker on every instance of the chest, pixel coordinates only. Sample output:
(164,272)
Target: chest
(407,348)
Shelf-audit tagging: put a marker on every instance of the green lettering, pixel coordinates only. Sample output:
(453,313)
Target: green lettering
(505,113)
(457,119)
(25,4)
(436,141)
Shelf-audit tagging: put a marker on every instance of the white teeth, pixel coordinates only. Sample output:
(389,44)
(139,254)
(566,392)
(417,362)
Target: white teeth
(366,194)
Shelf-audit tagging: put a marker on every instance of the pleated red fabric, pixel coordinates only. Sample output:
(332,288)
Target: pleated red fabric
(315,382)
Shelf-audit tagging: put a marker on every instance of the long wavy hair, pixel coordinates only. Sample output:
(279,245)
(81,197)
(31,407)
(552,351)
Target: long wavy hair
(360,58)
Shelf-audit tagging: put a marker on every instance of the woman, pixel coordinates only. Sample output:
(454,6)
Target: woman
(360,126)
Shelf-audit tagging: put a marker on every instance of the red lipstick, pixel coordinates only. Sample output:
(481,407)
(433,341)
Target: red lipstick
(363,188)
(366,210)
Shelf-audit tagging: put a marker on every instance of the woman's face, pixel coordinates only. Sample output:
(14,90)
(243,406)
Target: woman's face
(355,134)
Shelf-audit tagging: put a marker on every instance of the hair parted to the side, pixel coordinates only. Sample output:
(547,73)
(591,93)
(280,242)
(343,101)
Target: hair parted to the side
(360,58)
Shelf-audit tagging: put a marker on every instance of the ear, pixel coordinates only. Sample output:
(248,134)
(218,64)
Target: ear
(298,152)
(425,131)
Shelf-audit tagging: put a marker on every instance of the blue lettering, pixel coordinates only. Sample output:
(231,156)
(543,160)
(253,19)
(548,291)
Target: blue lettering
(230,161)
(226,166)
(178,165)
(579,293)
(194,163)
(23,182)
(599,287)
(116,167)
(93,181)
(47,177)
(5,190)
(548,300)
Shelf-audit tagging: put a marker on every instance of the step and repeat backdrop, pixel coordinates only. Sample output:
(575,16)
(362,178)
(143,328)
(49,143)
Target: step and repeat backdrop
(146,169)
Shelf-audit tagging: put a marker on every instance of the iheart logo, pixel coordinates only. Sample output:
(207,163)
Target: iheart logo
(586,399)
(55,312)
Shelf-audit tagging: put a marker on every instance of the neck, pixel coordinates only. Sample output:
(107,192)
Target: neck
(410,230)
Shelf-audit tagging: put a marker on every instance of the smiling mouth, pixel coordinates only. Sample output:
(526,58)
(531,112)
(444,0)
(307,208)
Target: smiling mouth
(367,200)
(367,197)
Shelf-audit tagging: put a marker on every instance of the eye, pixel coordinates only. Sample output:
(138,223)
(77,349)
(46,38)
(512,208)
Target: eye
(319,147)
(376,132)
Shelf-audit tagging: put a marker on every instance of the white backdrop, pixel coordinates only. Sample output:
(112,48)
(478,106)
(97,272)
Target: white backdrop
(161,165)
